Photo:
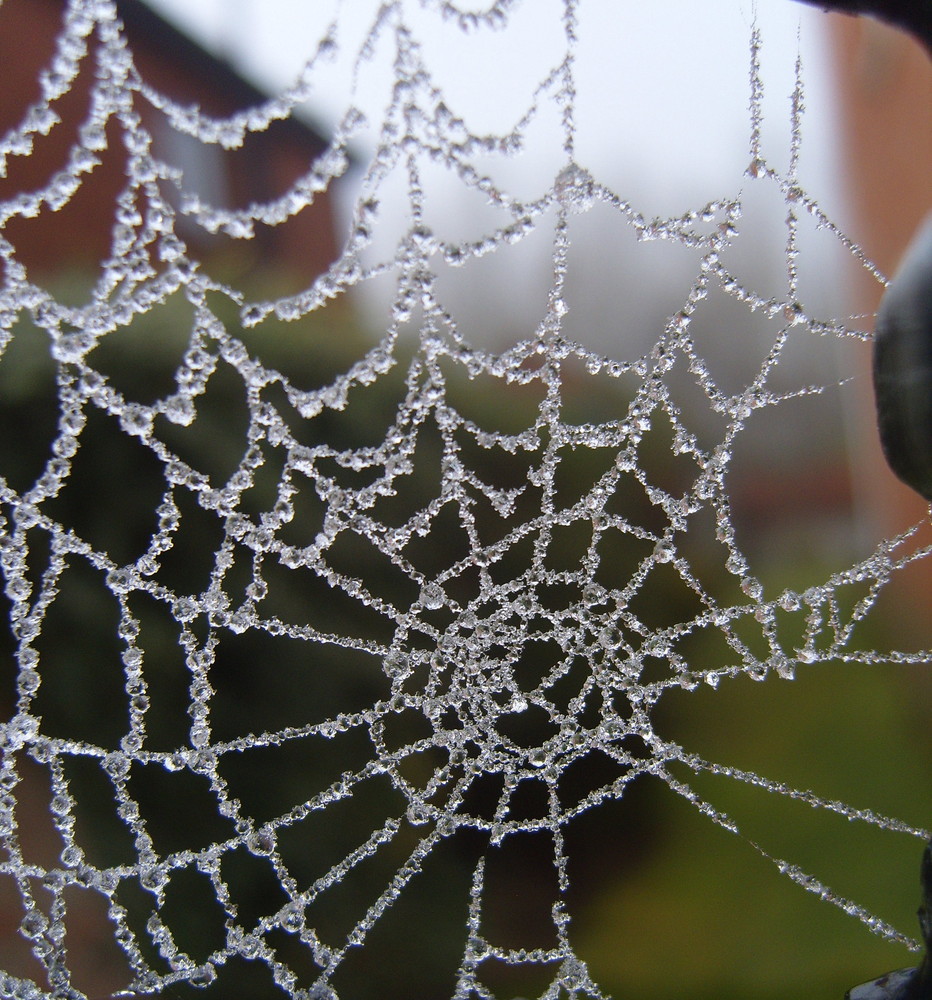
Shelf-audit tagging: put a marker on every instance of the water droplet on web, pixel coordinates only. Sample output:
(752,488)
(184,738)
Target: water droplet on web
(18,589)
(56,932)
(33,924)
(116,765)
(136,420)
(815,596)
(120,580)
(203,761)
(203,976)
(784,666)
(153,878)
(261,842)
(180,410)
(72,856)
(455,256)
(575,188)
(735,564)
(397,665)
(524,605)
(657,645)
(293,918)
(790,601)
(433,596)
(418,814)
(573,973)
(20,731)
(664,551)
(609,637)
(28,681)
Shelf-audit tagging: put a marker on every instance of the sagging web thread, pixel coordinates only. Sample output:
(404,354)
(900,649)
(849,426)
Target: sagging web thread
(497,668)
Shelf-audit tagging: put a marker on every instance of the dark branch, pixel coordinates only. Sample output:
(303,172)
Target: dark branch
(914,16)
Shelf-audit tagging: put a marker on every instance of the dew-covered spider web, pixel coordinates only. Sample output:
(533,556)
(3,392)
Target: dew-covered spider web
(330,641)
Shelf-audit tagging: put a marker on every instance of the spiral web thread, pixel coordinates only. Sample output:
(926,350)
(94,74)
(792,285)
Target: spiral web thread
(445,652)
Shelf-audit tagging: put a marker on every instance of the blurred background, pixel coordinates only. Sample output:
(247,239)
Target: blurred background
(664,903)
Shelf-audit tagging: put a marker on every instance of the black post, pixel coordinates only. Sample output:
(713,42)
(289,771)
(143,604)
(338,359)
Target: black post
(907,984)
(914,16)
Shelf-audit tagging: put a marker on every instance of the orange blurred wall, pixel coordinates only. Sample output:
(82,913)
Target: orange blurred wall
(884,78)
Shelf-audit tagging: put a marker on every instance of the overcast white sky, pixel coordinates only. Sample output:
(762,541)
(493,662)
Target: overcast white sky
(662,110)
(665,73)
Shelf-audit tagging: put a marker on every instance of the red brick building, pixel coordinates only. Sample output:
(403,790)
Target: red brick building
(74,239)
(884,80)
(78,235)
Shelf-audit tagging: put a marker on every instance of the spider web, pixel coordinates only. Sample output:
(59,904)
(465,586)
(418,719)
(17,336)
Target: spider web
(375,614)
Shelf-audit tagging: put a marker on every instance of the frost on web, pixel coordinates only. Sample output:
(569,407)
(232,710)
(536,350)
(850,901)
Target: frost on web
(317,636)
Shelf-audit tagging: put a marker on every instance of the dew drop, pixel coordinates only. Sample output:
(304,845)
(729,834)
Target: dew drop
(432,596)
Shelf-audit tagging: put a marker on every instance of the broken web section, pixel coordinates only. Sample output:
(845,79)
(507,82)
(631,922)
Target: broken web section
(350,664)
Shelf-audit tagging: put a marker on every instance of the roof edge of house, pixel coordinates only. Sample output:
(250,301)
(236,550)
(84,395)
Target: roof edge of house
(140,19)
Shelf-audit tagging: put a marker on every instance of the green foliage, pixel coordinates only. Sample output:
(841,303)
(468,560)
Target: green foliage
(665,903)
